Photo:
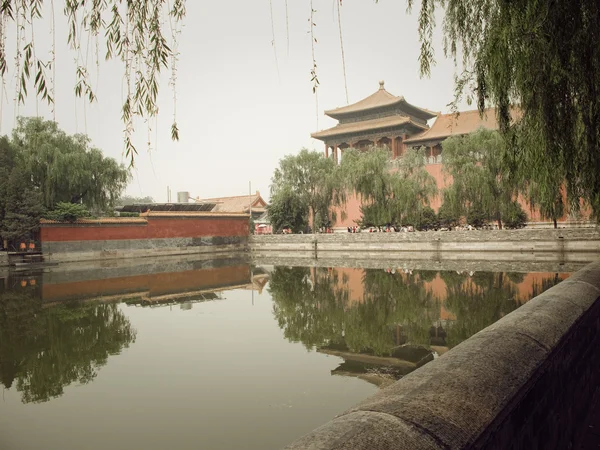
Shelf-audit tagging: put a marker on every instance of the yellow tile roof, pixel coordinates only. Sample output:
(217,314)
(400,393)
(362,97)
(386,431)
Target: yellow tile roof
(100,221)
(465,122)
(366,125)
(379,99)
(240,203)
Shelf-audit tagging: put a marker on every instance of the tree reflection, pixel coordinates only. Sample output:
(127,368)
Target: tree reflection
(313,306)
(44,350)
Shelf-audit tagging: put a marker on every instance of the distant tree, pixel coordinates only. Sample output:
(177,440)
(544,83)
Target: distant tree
(514,216)
(23,208)
(287,210)
(446,216)
(314,179)
(481,186)
(7,163)
(66,168)
(392,192)
(428,220)
(476,215)
(130,200)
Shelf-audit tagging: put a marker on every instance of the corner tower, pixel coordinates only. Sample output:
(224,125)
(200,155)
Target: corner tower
(380,119)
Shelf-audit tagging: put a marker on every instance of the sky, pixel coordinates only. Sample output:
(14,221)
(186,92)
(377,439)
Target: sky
(240,108)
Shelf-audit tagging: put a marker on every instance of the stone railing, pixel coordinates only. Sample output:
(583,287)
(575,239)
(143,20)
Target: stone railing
(452,244)
(3,259)
(525,382)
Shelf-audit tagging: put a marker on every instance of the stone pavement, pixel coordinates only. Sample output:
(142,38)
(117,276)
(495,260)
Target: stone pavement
(591,437)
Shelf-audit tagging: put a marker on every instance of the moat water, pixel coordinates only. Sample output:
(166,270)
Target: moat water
(222,354)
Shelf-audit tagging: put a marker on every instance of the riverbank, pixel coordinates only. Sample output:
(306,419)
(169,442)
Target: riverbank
(395,261)
(573,244)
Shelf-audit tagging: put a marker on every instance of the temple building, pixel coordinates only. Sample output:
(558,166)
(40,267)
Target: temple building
(383,119)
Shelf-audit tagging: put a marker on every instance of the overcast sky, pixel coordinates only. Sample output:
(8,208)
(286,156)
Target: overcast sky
(239,111)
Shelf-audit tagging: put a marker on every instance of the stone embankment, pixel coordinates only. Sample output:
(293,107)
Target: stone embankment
(525,382)
(566,244)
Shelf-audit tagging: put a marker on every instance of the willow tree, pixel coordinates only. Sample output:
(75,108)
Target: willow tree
(142,35)
(314,180)
(392,192)
(476,164)
(66,168)
(544,57)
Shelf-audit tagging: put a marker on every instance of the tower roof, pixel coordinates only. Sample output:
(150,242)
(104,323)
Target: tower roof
(381,98)
(464,122)
(366,125)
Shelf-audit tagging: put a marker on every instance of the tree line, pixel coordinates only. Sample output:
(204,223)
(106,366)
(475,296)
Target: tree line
(45,172)
(484,188)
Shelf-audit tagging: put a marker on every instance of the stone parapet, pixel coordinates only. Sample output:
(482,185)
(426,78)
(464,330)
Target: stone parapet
(532,241)
(497,262)
(71,251)
(525,382)
(3,259)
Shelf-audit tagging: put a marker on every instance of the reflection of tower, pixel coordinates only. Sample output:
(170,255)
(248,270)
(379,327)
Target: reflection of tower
(186,306)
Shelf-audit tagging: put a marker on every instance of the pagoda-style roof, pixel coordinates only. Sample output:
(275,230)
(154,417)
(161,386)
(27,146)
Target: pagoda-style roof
(380,99)
(240,203)
(367,125)
(464,122)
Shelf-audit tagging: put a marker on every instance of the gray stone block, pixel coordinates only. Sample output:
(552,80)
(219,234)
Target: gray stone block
(366,431)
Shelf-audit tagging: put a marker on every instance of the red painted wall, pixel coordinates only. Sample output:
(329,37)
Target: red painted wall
(156,283)
(156,228)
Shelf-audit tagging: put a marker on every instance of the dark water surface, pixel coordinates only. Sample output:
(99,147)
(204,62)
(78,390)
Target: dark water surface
(221,354)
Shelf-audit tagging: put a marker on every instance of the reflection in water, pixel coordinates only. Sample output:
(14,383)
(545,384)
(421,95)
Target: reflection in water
(43,350)
(388,323)
(209,353)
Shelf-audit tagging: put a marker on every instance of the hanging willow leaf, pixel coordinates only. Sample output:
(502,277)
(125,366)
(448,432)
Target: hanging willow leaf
(133,33)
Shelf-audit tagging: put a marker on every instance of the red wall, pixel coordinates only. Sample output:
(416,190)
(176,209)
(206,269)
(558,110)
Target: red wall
(157,228)
(156,283)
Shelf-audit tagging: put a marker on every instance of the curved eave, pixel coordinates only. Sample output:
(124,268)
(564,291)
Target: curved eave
(358,128)
(346,111)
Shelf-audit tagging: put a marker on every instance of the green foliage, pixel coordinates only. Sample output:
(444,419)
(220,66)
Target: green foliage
(306,183)
(313,306)
(514,216)
(66,168)
(23,208)
(7,163)
(428,219)
(287,210)
(129,214)
(481,188)
(447,217)
(132,32)
(476,216)
(43,350)
(130,200)
(393,192)
(540,55)
(68,212)
(320,307)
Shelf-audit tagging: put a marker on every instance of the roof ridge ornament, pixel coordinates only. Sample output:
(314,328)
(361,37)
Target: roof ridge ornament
(381,85)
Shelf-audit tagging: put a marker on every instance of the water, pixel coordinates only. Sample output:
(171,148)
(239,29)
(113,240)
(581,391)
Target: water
(219,354)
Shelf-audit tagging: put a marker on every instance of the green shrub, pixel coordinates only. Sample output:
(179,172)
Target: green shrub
(515,217)
(67,212)
(129,214)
